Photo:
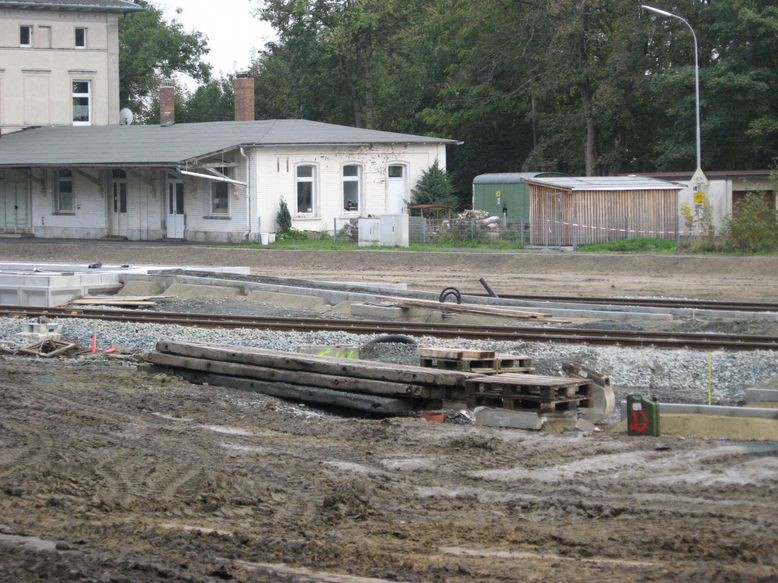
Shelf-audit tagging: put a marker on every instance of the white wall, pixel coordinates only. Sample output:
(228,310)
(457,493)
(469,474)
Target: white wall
(276,179)
(36,81)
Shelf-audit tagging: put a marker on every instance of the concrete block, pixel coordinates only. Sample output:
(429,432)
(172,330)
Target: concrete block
(719,410)
(385,311)
(759,395)
(188,290)
(493,417)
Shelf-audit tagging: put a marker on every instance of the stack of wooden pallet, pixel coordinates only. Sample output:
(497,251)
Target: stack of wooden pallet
(375,387)
(478,361)
(544,394)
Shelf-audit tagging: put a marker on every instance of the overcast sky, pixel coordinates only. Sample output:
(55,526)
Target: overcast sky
(231,29)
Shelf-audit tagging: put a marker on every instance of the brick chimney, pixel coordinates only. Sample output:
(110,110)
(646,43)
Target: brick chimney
(244,97)
(167,104)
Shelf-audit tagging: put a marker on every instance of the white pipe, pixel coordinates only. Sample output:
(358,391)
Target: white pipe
(210,177)
(248,194)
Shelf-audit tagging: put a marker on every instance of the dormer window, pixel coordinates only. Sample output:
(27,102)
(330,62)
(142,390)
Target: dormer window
(25,35)
(80,38)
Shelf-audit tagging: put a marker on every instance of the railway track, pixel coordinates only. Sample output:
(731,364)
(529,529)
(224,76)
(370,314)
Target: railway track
(649,302)
(532,334)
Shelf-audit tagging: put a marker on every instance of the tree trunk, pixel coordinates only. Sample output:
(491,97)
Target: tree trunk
(590,154)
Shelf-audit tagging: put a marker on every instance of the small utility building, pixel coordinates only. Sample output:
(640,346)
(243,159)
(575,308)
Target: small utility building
(568,211)
(505,192)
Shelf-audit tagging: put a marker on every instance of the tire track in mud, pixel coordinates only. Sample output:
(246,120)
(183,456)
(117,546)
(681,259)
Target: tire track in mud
(37,446)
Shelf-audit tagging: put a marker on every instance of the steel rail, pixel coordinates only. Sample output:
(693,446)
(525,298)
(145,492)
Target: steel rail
(532,334)
(648,302)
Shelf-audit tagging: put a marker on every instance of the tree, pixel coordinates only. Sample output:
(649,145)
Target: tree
(434,187)
(151,49)
(283,217)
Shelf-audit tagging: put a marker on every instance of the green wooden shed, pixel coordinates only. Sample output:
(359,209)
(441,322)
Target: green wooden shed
(505,192)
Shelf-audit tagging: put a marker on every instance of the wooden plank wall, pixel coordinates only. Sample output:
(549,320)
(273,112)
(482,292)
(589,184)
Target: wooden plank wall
(600,215)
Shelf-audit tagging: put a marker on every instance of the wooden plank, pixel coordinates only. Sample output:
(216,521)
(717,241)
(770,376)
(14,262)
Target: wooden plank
(464,308)
(527,380)
(319,364)
(338,383)
(111,302)
(318,395)
(454,353)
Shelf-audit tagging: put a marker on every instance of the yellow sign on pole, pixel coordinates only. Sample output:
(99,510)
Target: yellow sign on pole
(699,197)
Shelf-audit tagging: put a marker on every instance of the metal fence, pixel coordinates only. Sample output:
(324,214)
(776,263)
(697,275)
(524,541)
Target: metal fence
(468,231)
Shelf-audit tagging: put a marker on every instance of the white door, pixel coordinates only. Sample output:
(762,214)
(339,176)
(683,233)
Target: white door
(119,208)
(13,207)
(396,189)
(176,220)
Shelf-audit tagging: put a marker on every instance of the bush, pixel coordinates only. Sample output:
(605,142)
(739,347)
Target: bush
(753,228)
(292,235)
(284,218)
(434,187)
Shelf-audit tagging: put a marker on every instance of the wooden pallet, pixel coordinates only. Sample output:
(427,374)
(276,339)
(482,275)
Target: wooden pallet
(489,366)
(529,391)
(525,402)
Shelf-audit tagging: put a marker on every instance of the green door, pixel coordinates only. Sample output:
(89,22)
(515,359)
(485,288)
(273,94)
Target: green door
(14,207)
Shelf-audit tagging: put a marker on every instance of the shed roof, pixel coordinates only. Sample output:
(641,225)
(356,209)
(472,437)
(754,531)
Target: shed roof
(82,5)
(615,183)
(508,177)
(157,145)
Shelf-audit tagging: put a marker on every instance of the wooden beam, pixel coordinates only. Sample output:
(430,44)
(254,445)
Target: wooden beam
(337,383)
(89,177)
(318,395)
(464,308)
(320,364)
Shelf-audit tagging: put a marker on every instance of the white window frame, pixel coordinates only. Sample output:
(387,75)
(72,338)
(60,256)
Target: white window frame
(61,179)
(313,180)
(88,96)
(228,191)
(351,179)
(75,37)
(29,27)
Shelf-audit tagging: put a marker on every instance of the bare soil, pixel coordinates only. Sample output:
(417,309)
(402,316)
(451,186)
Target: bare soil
(118,474)
(530,272)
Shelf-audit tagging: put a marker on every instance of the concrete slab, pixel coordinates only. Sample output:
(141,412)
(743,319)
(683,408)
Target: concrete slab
(758,395)
(494,417)
(287,300)
(140,288)
(716,410)
(186,290)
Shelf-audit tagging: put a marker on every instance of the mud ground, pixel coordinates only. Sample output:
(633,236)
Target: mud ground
(111,473)
(528,272)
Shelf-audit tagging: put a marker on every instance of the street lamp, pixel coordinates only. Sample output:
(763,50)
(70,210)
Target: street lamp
(696,73)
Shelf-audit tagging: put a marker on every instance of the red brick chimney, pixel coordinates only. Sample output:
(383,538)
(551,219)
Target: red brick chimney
(167,104)
(244,97)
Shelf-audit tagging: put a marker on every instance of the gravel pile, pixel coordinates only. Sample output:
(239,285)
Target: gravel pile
(672,375)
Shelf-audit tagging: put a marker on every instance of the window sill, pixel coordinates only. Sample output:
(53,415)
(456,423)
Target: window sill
(217,217)
(306,218)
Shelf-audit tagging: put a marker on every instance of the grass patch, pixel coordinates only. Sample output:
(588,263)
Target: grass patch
(638,245)
(329,244)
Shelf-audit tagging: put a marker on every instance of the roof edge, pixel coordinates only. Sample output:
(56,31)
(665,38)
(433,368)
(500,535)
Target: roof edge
(72,7)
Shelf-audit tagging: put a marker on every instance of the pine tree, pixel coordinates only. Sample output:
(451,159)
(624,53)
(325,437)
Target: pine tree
(434,187)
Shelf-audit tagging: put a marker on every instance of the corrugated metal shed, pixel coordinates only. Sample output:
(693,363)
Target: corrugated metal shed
(582,210)
(157,145)
(505,192)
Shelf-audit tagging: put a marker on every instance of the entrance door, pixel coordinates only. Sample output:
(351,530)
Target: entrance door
(176,220)
(119,204)
(396,189)
(14,217)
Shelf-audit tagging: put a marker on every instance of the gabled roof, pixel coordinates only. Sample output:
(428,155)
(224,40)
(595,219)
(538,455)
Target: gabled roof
(156,145)
(589,183)
(82,5)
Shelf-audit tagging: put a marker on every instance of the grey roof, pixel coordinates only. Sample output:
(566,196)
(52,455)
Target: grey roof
(585,183)
(156,145)
(84,5)
(509,177)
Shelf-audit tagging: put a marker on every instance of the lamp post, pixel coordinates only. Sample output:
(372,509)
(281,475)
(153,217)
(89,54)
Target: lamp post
(696,73)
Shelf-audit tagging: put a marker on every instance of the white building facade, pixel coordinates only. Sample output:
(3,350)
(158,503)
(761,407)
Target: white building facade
(59,62)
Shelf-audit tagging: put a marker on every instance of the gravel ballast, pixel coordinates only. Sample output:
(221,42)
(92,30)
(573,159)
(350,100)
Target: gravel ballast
(672,375)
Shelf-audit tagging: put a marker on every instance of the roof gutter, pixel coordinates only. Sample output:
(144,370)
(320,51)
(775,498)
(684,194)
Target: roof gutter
(210,177)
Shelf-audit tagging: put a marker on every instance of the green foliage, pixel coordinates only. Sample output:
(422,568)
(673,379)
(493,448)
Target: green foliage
(434,187)
(637,245)
(753,228)
(152,49)
(292,235)
(284,218)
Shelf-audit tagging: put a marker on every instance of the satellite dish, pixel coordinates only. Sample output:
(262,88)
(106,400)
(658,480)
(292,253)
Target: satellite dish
(125,117)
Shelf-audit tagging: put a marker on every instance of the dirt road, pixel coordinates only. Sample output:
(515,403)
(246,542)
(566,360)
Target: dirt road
(120,475)
(744,278)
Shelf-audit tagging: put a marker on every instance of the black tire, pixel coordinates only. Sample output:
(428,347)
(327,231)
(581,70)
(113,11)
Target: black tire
(391,339)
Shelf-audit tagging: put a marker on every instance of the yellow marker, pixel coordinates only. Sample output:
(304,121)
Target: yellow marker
(710,378)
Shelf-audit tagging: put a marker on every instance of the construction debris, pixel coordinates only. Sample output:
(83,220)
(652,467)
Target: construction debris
(121,301)
(465,308)
(49,348)
(477,361)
